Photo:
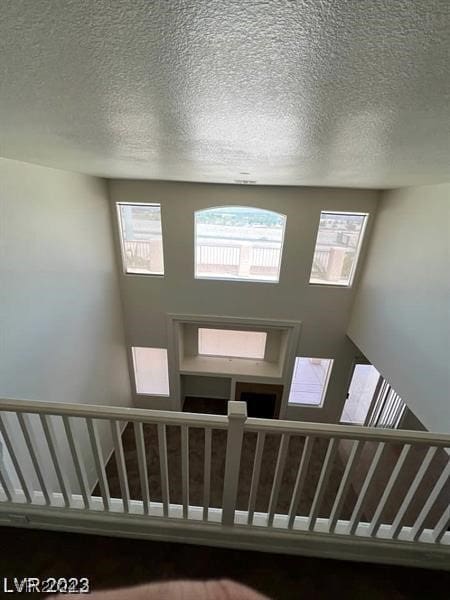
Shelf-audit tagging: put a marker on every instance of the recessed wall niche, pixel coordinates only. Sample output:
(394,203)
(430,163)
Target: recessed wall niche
(232,348)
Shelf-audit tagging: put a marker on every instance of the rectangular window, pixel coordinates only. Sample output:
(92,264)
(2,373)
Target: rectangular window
(337,248)
(363,386)
(238,243)
(310,380)
(151,371)
(141,238)
(388,409)
(232,343)
(371,401)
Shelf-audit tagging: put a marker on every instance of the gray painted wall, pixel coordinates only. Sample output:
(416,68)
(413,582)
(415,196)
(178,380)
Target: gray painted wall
(324,311)
(62,337)
(401,316)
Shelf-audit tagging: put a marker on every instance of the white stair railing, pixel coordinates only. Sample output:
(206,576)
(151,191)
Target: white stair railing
(432,496)
(54,455)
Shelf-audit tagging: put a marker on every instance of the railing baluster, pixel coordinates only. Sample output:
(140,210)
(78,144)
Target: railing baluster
(393,397)
(419,525)
(300,480)
(376,519)
(393,417)
(398,418)
(185,468)
(6,483)
(441,526)
(52,443)
(99,462)
(24,484)
(359,506)
(207,473)
(25,426)
(255,475)
(142,465)
(397,524)
(78,462)
(374,415)
(278,476)
(120,463)
(323,482)
(345,484)
(164,468)
(429,525)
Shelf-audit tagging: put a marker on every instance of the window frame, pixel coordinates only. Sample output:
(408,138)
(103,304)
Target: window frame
(355,265)
(122,240)
(233,278)
(324,387)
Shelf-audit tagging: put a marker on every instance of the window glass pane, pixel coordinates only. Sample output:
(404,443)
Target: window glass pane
(227,342)
(360,394)
(371,400)
(151,371)
(140,228)
(388,409)
(337,247)
(310,380)
(236,242)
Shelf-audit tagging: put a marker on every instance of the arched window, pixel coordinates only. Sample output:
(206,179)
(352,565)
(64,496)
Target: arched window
(239,243)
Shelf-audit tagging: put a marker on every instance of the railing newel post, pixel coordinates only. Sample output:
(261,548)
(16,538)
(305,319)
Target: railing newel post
(237,415)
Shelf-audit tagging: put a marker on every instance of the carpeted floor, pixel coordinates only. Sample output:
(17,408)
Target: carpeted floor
(118,562)
(196,467)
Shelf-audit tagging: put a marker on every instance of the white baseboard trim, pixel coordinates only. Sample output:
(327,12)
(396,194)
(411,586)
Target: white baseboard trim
(340,547)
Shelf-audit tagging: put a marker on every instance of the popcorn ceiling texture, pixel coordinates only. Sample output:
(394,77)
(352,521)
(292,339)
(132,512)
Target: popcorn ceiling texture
(315,92)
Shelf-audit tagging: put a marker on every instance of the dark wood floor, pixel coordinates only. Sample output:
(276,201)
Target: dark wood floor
(118,562)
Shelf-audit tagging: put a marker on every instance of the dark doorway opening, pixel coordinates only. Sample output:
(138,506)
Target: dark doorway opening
(263,399)
(261,406)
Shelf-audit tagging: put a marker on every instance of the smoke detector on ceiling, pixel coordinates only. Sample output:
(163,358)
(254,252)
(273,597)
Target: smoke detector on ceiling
(245,180)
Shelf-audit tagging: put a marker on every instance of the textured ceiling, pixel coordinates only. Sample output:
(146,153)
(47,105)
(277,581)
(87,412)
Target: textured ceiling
(315,92)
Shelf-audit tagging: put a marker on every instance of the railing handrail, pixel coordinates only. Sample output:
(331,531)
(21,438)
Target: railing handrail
(350,432)
(75,441)
(122,413)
